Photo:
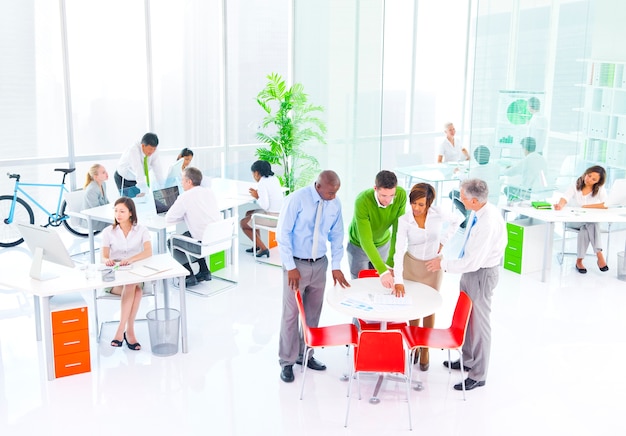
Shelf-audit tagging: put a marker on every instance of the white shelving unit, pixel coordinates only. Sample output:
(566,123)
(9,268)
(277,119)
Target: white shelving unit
(604,121)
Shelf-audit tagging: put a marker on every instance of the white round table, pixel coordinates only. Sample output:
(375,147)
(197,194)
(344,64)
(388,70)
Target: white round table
(356,301)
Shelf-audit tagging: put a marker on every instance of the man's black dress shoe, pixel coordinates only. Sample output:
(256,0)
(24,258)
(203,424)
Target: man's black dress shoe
(581,270)
(313,364)
(203,276)
(456,365)
(469,384)
(286,374)
(191,281)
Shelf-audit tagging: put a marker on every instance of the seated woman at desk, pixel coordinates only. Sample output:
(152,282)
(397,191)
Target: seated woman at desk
(588,191)
(125,242)
(95,192)
(187,156)
(269,196)
(420,238)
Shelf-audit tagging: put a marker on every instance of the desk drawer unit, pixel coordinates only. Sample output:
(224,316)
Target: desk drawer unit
(524,251)
(70,336)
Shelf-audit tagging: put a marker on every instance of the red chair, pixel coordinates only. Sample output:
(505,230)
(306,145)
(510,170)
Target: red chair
(374,325)
(319,337)
(380,351)
(451,338)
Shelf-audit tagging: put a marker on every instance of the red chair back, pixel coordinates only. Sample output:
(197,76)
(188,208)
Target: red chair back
(367,273)
(306,333)
(460,318)
(380,351)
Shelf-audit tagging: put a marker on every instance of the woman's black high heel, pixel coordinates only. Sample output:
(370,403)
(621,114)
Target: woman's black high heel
(115,343)
(262,253)
(136,346)
(251,250)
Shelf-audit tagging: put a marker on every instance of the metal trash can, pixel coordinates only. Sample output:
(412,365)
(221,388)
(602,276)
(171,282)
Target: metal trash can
(164,325)
(621,266)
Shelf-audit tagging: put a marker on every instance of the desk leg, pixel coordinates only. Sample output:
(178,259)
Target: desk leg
(183,313)
(547,252)
(162,248)
(47,330)
(92,250)
(37,304)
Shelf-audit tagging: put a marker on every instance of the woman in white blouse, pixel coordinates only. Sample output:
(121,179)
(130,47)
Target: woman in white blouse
(269,197)
(588,191)
(421,236)
(124,243)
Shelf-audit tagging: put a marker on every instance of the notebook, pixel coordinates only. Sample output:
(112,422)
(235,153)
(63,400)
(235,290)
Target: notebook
(165,198)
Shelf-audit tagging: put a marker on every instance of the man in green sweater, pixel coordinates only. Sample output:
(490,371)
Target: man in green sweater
(372,245)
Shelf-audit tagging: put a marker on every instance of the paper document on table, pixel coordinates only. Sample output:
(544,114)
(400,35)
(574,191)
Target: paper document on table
(148,270)
(357,304)
(391,299)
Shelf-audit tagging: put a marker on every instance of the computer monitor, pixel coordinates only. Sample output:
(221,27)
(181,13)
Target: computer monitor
(617,194)
(165,198)
(45,244)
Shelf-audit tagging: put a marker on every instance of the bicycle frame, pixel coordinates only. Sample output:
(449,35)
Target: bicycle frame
(51,216)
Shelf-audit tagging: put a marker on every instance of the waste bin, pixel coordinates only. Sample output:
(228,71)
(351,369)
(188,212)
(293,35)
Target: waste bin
(621,266)
(163,325)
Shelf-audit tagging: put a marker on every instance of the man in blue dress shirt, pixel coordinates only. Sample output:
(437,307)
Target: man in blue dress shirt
(309,217)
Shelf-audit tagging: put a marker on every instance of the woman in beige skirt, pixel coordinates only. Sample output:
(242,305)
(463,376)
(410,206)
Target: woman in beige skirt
(421,236)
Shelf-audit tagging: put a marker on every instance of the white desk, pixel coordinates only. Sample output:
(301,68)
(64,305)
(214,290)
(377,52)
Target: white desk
(72,280)
(356,302)
(565,215)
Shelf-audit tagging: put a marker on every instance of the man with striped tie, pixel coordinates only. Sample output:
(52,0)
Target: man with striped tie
(479,263)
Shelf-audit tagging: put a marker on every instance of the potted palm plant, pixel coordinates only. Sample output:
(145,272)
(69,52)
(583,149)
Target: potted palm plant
(290,122)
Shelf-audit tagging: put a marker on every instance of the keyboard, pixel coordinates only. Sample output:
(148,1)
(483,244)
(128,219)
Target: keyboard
(391,299)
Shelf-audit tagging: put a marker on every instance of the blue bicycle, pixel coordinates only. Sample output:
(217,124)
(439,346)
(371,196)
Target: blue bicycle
(15,209)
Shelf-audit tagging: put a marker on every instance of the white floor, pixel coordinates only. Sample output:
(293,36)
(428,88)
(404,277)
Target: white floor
(556,368)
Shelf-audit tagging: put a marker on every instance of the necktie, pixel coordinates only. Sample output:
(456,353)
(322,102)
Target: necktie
(467,233)
(316,230)
(145,170)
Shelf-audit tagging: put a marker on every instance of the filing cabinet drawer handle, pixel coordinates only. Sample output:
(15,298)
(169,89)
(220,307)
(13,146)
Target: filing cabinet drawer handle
(67,321)
(71,343)
(69,365)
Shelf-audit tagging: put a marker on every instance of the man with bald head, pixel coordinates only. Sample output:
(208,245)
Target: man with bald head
(309,217)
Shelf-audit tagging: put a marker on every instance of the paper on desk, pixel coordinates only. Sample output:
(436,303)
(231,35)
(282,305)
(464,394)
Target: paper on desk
(148,270)
(357,304)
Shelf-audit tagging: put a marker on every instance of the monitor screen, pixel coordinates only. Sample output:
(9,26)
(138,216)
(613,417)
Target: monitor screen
(45,244)
(617,194)
(165,198)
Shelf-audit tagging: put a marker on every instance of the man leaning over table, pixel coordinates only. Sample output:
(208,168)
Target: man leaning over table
(479,262)
(371,242)
(197,206)
(302,231)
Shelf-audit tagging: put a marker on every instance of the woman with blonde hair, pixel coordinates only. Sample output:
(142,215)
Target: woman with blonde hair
(421,235)
(95,192)
(123,243)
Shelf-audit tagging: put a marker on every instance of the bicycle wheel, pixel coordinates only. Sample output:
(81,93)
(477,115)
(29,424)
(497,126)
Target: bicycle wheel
(75,230)
(10,235)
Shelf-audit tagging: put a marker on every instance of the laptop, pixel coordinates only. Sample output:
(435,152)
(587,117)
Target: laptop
(164,199)
(617,194)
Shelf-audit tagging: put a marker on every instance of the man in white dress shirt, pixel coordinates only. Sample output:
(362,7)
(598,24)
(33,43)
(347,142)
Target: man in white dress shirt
(479,262)
(197,206)
(133,168)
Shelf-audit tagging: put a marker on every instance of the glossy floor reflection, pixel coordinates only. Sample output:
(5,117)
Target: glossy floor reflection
(555,368)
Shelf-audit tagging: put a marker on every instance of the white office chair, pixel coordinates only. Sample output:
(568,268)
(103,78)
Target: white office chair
(149,290)
(256,225)
(218,236)
(603,230)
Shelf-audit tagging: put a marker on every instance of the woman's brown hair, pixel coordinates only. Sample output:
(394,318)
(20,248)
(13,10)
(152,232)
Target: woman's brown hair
(422,190)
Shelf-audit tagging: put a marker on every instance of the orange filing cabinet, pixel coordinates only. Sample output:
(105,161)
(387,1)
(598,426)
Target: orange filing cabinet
(70,335)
